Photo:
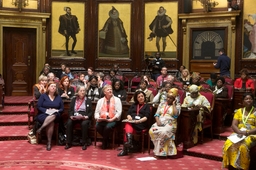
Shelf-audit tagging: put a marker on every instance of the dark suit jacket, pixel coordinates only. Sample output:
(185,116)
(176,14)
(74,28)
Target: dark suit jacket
(88,111)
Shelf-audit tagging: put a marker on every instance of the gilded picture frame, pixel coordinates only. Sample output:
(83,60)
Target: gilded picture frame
(249,30)
(114,29)
(67,42)
(167,47)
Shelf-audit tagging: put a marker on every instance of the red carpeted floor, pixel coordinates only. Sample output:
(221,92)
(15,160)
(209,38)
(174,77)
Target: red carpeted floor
(17,153)
(20,153)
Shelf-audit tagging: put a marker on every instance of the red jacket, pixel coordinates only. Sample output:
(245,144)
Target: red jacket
(249,83)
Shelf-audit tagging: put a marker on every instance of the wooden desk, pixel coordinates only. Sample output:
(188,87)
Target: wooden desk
(238,98)
(186,125)
(221,107)
(129,96)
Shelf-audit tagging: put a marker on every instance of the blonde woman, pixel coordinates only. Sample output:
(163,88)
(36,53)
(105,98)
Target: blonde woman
(40,87)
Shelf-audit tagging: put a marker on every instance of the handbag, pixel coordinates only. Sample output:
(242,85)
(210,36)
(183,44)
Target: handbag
(31,137)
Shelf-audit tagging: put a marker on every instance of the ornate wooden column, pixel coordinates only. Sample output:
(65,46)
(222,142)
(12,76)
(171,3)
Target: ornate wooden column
(214,29)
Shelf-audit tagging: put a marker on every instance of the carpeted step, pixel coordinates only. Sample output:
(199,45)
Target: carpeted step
(228,131)
(17,100)
(13,132)
(209,150)
(13,119)
(15,109)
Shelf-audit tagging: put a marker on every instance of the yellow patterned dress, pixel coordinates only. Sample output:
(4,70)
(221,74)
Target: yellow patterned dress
(238,154)
(163,136)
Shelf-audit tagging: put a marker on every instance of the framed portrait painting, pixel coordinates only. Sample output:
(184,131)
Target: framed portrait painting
(114,27)
(67,30)
(161,23)
(249,45)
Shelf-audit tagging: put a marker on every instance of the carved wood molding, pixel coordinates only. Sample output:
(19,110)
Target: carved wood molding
(33,20)
(211,17)
(211,22)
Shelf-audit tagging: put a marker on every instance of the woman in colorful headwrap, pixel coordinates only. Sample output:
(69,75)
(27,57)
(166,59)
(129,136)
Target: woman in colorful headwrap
(237,155)
(162,132)
(196,100)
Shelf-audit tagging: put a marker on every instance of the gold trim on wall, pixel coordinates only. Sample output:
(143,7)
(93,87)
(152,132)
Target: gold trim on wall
(26,20)
(209,20)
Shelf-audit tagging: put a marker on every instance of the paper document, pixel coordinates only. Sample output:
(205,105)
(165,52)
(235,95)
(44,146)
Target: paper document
(51,111)
(130,121)
(147,159)
(234,137)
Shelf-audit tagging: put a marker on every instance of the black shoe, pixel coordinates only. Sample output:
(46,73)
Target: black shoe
(39,131)
(48,147)
(73,52)
(68,54)
(123,153)
(84,147)
(67,146)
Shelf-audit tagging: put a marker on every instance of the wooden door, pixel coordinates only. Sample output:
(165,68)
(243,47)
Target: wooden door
(19,60)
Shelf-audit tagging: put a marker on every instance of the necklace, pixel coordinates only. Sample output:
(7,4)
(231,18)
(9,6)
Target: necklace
(244,119)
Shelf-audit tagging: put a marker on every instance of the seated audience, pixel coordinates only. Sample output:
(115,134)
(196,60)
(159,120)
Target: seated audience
(149,94)
(49,106)
(116,68)
(61,71)
(101,82)
(162,78)
(49,69)
(108,111)
(90,73)
(196,100)
(81,81)
(68,73)
(65,90)
(40,87)
(237,155)
(244,82)
(195,79)
(162,93)
(212,80)
(45,71)
(137,117)
(178,74)
(93,92)
(51,77)
(220,91)
(162,133)
(185,78)
(80,112)
(112,74)
(148,80)
(118,90)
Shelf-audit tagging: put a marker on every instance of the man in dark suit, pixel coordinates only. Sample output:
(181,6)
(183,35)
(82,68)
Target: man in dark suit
(69,27)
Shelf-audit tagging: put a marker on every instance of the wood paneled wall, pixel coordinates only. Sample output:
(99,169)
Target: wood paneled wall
(136,61)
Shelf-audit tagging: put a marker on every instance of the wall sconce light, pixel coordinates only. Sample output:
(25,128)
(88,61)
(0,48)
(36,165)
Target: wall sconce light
(208,4)
(20,3)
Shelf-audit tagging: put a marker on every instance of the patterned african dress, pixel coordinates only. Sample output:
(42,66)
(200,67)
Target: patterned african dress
(163,136)
(238,154)
(200,100)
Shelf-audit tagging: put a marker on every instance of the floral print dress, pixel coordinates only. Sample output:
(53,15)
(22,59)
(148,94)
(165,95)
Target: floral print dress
(163,136)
